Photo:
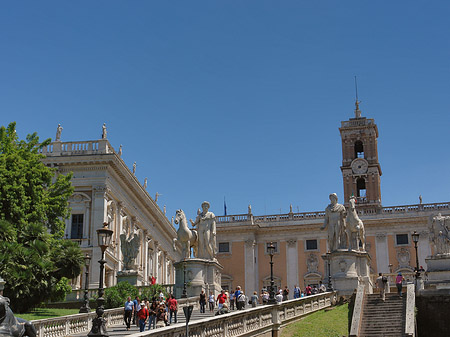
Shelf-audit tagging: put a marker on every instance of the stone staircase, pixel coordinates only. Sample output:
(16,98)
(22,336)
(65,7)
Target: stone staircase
(383,319)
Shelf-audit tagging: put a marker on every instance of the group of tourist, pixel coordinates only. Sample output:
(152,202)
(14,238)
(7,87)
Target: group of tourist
(382,284)
(157,313)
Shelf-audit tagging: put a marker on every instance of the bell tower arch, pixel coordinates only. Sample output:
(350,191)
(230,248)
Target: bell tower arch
(360,168)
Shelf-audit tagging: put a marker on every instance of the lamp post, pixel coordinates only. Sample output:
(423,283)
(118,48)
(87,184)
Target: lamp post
(415,238)
(184,295)
(330,286)
(98,324)
(271,251)
(85,308)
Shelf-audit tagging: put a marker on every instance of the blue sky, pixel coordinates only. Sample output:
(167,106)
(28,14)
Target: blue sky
(237,99)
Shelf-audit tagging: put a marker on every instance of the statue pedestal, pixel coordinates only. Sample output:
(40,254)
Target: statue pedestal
(348,270)
(131,276)
(200,274)
(438,272)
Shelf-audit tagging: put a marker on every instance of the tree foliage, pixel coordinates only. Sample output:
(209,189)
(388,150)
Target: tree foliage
(33,206)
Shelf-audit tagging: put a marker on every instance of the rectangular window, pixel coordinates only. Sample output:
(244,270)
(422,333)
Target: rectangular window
(311,244)
(77,226)
(275,244)
(402,239)
(224,247)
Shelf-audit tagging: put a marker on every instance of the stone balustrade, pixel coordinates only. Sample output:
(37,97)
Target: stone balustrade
(356,122)
(250,322)
(90,147)
(81,323)
(433,207)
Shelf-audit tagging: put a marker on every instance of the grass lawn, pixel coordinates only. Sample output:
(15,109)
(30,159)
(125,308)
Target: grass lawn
(43,313)
(333,323)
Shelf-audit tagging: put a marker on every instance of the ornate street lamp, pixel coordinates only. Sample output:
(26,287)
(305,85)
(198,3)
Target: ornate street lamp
(85,308)
(184,295)
(415,238)
(330,286)
(271,251)
(98,324)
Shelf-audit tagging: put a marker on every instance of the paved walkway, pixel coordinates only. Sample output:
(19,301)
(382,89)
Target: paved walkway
(120,330)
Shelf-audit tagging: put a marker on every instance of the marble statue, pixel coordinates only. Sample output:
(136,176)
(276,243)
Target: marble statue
(104,131)
(120,150)
(420,199)
(134,168)
(290,208)
(188,238)
(145,183)
(206,228)
(157,196)
(129,244)
(355,228)
(249,209)
(440,234)
(11,326)
(335,221)
(58,133)
(164,209)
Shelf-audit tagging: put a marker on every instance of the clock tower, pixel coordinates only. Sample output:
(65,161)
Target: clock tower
(360,168)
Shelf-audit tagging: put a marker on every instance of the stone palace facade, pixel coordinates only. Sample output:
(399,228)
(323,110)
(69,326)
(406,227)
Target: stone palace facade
(106,190)
(243,238)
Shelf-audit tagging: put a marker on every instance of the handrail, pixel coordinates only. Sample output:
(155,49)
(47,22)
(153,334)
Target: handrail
(238,323)
(410,315)
(401,209)
(357,311)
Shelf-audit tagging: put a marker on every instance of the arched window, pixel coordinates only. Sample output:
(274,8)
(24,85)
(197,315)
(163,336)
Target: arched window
(361,187)
(359,149)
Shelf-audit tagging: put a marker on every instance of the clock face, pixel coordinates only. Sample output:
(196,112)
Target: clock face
(359,166)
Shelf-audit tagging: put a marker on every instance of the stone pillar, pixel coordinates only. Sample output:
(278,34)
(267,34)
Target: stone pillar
(382,253)
(292,264)
(155,261)
(120,218)
(87,221)
(98,217)
(250,268)
(146,279)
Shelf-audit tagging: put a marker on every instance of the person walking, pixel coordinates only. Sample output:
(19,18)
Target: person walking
(128,312)
(399,283)
(173,308)
(296,292)
(254,299)
(285,293)
(240,301)
(221,298)
(142,315)
(152,314)
(236,296)
(211,302)
(232,301)
(202,302)
(137,307)
(381,283)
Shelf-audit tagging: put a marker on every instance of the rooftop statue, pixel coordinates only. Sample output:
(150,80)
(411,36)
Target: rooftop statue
(440,234)
(11,326)
(104,131)
(58,133)
(335,221)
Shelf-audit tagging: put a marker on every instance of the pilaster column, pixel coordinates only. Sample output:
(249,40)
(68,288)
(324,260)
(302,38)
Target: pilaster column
(155,261)
(292,263)
(87,222)
(98,217)
(251,277)
(145,257)
(382,253)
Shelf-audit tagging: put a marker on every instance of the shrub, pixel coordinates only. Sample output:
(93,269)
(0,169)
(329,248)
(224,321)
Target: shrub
(60,290)
(116,296)
(153,291)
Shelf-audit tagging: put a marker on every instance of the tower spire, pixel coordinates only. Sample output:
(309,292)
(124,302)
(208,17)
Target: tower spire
(357,111)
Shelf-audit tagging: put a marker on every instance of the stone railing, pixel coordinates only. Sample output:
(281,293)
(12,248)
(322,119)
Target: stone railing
(75,324)
(357,312)
(100,146)
(321,214)
(250,322)
(78,294)
(410,317)
(357,122)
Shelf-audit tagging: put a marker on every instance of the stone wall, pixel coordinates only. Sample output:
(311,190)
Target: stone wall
(433,312)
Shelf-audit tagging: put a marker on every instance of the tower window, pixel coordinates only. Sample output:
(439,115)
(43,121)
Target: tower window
(77,226)
(359,149)
(361,187)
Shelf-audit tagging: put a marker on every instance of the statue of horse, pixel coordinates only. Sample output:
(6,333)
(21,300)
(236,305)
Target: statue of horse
(355,228)
(186,236)
(11,326)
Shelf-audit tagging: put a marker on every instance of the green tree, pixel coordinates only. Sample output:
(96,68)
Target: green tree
(33,205)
